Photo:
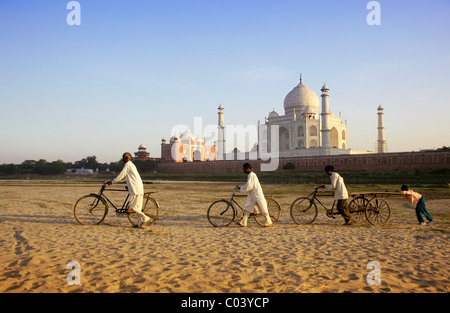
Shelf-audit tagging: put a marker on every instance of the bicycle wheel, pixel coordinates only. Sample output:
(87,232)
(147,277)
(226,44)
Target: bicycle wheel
(90,210)
(274,212)
(377,211)
(150,208)
(221,213)
(303,211)
(357,208)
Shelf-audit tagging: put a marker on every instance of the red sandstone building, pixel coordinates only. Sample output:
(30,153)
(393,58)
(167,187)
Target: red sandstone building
(384,161)
(142,154)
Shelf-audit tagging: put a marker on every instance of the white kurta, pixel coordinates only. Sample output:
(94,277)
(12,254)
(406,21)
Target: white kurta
(255,194)
(131,175)
(135,189)
(338,186)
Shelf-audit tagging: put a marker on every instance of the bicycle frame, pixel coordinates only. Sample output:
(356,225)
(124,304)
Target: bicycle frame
(124,205)
(220,214)
(330,212)
(231,201)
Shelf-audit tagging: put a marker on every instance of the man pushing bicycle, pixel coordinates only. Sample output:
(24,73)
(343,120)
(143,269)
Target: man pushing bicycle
(255,197)
(340,193)
(135,188)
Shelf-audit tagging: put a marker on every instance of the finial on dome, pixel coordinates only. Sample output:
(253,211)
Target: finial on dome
(300,78)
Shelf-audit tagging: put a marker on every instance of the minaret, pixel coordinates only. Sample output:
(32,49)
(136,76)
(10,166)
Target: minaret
(326,140)
(221,134)
(381,138)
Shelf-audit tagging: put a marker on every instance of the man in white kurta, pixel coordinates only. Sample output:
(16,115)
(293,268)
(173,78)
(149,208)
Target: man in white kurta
(255,197)
(340,193)
(135,187)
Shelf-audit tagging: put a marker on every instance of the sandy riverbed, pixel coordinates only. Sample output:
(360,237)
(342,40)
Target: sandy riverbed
(182,252)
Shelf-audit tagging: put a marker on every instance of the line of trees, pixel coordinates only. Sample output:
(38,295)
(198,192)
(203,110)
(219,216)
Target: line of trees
(42,167)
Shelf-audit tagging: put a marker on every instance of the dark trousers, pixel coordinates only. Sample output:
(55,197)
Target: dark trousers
(421,209)
(343,209)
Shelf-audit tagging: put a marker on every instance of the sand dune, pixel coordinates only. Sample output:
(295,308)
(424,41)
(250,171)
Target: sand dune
(182,252)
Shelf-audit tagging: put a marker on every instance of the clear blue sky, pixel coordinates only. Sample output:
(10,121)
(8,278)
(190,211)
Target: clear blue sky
(134,69)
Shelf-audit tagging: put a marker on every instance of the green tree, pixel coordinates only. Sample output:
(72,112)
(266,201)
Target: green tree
(289,166)
(88,162)
(146,166)
(9,169)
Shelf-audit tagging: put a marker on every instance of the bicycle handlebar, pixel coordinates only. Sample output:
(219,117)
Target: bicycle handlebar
(105,184)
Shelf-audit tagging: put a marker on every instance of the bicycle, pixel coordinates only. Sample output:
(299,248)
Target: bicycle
(92,209)
(222,213)
(304,209)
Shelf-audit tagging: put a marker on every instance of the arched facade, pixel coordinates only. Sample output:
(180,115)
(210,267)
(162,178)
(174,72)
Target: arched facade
(186,148)
(334,138)
(302,127)
(284,138)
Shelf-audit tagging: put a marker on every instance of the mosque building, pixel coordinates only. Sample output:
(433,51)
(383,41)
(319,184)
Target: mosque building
(186,148)
(142,154)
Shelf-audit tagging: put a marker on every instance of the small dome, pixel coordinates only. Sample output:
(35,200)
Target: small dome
(187,135)
(142,147)
(174,139)
(220,107)
(273,114)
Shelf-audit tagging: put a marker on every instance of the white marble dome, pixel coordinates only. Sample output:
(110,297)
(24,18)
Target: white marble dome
(303,99)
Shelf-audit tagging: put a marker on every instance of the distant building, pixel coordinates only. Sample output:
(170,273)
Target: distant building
(80,171)
(142,154)
(186,148)
(303,131)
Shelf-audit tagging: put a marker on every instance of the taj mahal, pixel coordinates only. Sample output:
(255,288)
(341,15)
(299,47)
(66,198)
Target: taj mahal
(302,131)
(308,136)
